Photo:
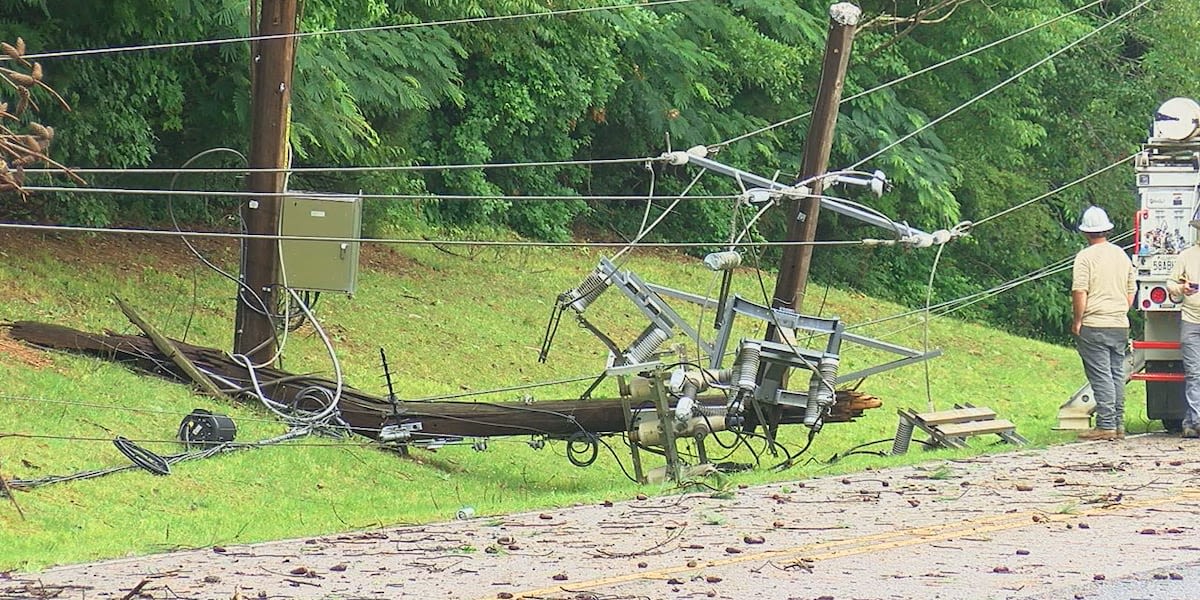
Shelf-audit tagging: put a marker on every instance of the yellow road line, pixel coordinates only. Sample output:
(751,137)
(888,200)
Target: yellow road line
(876,542)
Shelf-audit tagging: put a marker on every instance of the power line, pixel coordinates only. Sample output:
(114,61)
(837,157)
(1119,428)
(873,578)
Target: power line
(1055,191)
(910,75)
(416,242)
(950,306)
(996,87)
(378,28)
(354,169)
(294,194)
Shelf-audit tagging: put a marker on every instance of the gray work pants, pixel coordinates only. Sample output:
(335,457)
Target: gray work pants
(1102,350)
(1189,342)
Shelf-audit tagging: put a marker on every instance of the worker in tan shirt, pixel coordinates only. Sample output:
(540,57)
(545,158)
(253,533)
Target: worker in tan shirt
(1102,287)
(1183,285)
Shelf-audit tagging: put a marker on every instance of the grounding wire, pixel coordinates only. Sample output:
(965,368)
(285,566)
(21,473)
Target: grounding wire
(904,78)
(377,28)
(996,87)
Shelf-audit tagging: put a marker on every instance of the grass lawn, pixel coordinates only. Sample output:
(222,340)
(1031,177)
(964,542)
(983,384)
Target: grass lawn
(456,321)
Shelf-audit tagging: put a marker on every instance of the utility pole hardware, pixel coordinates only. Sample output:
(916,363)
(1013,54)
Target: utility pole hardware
(273,60)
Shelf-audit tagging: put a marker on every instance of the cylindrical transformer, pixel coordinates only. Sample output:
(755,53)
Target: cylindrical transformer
(648,431)
(643,348)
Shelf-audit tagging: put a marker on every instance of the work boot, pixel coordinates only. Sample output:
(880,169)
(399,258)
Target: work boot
(1189,432)
(1098,434)
(1120,432)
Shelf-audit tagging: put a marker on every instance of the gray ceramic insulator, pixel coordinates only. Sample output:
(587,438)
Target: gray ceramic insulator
(643,348)
(748,366)
(587,292)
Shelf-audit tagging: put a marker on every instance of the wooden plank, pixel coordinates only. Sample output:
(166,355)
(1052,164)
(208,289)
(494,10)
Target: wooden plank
(960,415)
(975,427)
(171,351)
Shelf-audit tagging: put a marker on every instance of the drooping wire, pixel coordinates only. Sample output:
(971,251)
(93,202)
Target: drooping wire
(958,303)
(353,169)
(904,78)
(1000,85)
(377,28)
(925,336)
(413,242)
(1054,191)
(426,196)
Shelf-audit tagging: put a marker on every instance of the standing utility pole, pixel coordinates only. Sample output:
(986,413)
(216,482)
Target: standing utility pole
(793,268)
(271,83)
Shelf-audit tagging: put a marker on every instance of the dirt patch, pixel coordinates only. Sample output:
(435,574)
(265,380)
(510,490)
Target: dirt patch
(163,253)
(14,352)
(386,259)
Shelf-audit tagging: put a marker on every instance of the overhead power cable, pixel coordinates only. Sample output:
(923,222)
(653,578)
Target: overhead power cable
(353,169)
(950,306)
(1054,191)
(420,242)
(353,30)
(996,87)
(242,194)
(917,73)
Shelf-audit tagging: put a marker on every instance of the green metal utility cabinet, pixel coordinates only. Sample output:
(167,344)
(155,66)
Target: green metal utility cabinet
(321,266)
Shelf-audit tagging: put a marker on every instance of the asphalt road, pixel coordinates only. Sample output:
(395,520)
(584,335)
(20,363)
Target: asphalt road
(1101,520)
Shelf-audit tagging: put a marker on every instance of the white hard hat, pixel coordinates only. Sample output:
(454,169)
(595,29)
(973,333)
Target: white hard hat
(1095,220)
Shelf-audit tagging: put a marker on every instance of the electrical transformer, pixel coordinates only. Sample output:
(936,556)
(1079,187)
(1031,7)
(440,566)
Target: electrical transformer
(1168,179)
(321,265)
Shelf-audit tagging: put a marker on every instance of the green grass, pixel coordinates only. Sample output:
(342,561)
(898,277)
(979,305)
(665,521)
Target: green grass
(450,324)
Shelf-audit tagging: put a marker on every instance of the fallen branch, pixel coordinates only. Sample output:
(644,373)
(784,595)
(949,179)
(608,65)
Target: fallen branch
(11,497)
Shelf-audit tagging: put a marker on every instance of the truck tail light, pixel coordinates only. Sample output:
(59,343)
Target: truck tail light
(1158,295)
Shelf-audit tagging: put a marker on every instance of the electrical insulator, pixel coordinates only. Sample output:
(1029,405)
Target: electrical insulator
(642,349)
(748,360)
(586,293)
(723,261)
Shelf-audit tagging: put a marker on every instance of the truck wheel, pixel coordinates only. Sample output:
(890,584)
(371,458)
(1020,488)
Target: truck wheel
(1173,425)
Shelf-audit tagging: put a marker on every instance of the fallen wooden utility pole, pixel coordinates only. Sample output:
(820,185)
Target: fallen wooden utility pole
(366,413)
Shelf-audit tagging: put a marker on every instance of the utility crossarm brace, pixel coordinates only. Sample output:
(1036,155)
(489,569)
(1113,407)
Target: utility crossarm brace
(908,234)
(909,355)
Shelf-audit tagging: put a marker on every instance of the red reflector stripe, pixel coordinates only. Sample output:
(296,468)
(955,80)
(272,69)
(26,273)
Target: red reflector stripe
(1173,377)
(1145,345)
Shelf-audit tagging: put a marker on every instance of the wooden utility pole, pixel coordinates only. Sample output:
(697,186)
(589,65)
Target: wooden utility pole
(273,60)
(793,268)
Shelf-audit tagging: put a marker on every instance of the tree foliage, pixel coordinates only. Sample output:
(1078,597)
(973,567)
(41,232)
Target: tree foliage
(630,82)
